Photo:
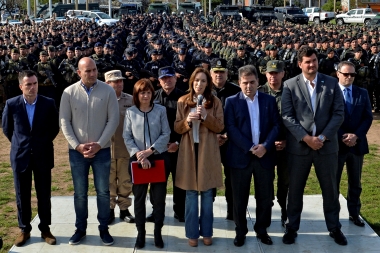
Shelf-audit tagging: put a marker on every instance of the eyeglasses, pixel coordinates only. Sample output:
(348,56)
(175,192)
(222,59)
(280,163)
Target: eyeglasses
(348,74)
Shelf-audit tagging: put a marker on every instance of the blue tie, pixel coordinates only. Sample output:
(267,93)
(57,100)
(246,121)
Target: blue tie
(347,99)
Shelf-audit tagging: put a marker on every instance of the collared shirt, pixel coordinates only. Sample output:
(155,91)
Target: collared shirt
(313,96)
(349,87)
(254,115)
(196,123)
(30,108)
(88,90)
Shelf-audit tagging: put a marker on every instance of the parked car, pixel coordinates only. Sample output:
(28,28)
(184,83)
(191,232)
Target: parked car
(291,14)
(361,16)
(375,21)
(229,11)
(12,22)
(317,15)
(38,20)
(262,13)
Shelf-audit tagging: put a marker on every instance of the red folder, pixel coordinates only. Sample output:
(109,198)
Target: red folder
(155,174)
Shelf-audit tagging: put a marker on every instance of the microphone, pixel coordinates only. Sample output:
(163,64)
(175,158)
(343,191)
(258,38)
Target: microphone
(199,103)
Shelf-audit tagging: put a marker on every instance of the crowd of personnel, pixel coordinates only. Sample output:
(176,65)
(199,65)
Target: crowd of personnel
(172,94)
(139,45)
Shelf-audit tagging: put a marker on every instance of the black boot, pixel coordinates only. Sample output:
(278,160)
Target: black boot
(140,241)
(1,242)
(158,242)
(126,216)
(112,216)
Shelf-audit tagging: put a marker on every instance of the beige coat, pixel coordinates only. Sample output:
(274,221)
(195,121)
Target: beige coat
(209,164)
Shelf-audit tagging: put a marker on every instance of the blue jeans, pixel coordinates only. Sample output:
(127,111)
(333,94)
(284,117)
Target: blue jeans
(80,167)
(194,225)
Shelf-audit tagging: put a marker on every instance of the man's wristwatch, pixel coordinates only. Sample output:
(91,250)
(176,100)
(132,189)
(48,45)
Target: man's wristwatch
(177,143)
(322,138)
(153,149)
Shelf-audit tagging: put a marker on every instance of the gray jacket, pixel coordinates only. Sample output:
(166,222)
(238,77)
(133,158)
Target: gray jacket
(135,129)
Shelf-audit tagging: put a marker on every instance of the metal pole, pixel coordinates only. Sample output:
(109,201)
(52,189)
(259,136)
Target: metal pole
(309,3)
(28,7)
(110,8)
(177,5)
(35,9)
(76,4)
(334,5)
(86,5)
(209,6)
(348,8)
(51,8)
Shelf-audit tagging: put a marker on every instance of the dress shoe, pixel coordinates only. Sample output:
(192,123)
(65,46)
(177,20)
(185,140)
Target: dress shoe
(239,240)
(126,216)
(179,218)
(265,238)
(338,236)
(140,241)
(106,237)
(150,218)
(21,239)
(1,242)
(77,237)
(357,221)
(193,242)
(158,242)
(289,236)
(111,218)
(49,238)
(207,241)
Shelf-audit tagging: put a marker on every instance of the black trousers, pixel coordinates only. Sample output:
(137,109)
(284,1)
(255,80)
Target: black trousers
(354,165)
(158,195)
(282,181)
(241,182)
(23,188)
(179,195)
(326,168)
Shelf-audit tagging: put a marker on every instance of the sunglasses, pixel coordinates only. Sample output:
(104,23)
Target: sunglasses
(348,74)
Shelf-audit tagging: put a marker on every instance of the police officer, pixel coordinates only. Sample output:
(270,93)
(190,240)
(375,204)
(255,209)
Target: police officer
(68,68)
(374,73)
(361,68)
(274,85)
(130,69)
(152,67)
(328,64)
(223,90)
(99,59)
(10,71)
(183,69)
(46,83)
(120,179)
(240,60)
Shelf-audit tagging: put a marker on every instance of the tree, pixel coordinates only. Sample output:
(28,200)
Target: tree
(329,5)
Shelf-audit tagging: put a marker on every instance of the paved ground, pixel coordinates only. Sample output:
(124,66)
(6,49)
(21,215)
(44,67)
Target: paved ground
(312,236)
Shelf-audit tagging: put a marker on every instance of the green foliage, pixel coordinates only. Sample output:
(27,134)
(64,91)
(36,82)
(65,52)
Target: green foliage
(329,5)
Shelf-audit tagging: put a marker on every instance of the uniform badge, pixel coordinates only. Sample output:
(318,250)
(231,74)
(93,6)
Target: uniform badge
(219,63)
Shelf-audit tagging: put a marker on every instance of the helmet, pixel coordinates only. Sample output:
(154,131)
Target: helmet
(363,71)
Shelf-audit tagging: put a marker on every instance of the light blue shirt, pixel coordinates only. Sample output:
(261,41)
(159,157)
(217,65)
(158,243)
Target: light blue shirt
(349,87)
(88,90)
(30,108)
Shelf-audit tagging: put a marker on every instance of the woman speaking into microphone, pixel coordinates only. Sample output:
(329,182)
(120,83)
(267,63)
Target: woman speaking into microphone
(199,118)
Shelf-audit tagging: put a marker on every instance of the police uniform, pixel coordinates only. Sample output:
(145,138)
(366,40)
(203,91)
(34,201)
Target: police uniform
(282,168)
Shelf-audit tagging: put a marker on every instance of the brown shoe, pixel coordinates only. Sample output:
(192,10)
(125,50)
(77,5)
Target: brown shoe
(207,241)
(193,242)
(21,239)
(49,238)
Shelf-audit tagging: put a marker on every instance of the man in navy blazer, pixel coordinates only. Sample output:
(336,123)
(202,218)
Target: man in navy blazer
(252,122)
(352,137)
(30,122)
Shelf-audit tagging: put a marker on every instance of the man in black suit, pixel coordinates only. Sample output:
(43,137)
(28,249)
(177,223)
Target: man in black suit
(252,122)
(312,111)
(30,122)
(352,138)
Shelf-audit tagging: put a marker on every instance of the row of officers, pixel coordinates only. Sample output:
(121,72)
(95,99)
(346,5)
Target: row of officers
(56,70)
(324,123)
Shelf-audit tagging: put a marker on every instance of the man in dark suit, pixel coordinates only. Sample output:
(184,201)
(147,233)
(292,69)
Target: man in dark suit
(352,138)
(30,122)
(312,111)
(252,122)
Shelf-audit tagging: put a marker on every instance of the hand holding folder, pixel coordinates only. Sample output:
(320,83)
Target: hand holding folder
(156,174)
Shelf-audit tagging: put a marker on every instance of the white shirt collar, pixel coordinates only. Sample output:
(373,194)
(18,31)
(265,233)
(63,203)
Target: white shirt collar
(342,87)
(314,81)
(255,96)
